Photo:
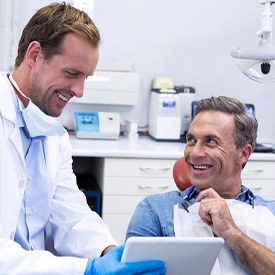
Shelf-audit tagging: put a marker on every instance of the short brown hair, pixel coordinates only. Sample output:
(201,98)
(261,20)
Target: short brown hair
(50,24)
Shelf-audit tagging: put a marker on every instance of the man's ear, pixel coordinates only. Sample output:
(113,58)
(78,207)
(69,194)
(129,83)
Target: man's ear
(246,151)
(33,52)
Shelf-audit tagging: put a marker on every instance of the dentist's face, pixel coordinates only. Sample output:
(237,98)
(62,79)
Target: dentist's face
(55,81)
(211,155)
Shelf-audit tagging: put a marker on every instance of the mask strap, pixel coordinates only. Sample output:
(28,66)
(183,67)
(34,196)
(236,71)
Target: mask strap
(16,87)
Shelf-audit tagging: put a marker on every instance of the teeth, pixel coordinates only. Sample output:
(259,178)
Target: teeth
(62,97)
(200,167)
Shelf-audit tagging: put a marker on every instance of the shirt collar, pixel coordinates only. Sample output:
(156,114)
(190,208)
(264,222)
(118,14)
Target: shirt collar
(190,195)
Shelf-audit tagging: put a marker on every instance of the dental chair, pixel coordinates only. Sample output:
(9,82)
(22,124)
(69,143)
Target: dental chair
(181,175)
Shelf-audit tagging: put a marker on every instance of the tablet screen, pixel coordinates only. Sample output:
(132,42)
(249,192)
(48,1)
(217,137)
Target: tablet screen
(182,255)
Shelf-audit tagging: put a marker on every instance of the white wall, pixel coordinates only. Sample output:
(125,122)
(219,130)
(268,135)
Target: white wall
(190,41)
(5,34)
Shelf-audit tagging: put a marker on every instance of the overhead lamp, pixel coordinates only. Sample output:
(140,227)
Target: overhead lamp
(259,63)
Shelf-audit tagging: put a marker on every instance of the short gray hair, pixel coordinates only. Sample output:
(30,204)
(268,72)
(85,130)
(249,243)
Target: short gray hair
(246,125)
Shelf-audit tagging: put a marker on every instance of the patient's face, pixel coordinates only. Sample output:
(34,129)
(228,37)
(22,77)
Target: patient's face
(211,154)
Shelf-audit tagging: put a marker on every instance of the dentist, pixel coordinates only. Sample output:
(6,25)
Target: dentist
(46,226)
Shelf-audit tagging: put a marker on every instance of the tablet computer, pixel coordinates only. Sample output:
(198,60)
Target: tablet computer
(182,255)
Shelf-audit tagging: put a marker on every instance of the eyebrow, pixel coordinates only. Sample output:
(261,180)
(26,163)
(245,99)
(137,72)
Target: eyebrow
(190,135)
(74,71)
(212,137)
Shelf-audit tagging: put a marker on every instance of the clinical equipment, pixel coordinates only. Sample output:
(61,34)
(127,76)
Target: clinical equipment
(111,88)
(187,197)
(260,61)
(164,115)
(187,96)
(131,129)
(97,125)
(169,109)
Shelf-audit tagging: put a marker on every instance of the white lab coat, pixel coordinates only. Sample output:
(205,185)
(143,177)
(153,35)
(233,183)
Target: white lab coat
(74,230)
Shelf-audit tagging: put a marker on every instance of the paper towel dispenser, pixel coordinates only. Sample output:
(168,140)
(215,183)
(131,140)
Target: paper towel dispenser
(111,88)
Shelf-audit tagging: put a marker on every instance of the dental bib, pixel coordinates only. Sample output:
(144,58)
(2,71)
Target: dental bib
(37,122)
(257,223)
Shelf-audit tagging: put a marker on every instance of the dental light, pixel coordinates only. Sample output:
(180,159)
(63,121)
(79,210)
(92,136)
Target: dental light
(259,62)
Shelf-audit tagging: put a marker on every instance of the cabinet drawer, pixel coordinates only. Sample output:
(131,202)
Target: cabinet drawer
(120,204)
(138,167)
(259,170)
(263,188)
(137,186)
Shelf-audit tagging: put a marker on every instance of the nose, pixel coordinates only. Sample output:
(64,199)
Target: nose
(197,151)
(77,88)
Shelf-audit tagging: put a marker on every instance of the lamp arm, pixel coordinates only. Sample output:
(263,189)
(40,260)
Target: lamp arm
(266,31)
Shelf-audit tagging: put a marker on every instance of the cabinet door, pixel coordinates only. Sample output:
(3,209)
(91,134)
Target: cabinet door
(259,176)
(264,188)
(118,224)
(120,204)
(126,182)
(259,170)
(117,212)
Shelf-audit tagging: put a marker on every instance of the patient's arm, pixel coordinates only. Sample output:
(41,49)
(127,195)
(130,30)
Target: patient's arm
(258,258)
(215,212)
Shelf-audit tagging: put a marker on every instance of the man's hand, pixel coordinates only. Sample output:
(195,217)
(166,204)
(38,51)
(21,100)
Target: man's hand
(214,212)
(110,264)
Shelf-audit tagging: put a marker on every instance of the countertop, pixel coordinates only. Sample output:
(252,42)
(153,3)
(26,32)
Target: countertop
(143,147)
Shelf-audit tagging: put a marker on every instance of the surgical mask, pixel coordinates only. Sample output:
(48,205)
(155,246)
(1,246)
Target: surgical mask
(37,122)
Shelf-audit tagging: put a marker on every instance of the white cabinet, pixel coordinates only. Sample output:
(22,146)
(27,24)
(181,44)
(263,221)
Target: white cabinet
(259,176)
(126,181)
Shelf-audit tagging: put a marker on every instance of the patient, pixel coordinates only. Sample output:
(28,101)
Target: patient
(220,140)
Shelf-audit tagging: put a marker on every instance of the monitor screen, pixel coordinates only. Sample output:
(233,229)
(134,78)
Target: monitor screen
(250,108)
(86,122)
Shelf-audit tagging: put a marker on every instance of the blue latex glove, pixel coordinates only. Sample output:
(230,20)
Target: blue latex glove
(110,264)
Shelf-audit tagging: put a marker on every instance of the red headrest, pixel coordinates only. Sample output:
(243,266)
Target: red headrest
(181,175)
